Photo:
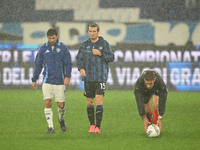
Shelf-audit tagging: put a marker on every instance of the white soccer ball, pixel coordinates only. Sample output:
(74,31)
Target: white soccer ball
(153,131)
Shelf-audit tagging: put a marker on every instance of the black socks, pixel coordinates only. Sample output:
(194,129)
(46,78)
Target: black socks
(90,111)
(99,114)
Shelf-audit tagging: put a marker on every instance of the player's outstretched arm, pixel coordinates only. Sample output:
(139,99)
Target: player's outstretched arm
(145,122)
(159,124)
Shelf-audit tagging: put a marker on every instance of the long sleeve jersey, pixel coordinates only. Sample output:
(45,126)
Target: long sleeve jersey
(96,67)
(159,89)
(56,62)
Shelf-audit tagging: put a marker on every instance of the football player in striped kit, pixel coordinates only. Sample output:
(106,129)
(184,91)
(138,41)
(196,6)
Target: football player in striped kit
(92,62)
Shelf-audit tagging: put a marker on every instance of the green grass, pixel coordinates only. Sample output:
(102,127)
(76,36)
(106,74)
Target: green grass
(23,125)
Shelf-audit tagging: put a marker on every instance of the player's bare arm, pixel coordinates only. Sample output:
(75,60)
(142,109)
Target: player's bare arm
(82,72)
(145,122)
(159,122)
(66,81)
(96,52)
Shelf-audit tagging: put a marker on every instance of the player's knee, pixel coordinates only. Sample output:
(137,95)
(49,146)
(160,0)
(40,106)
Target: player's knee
(99,103)
(99,100)
(61,105)
(90,104)
(48,103)
(148,112)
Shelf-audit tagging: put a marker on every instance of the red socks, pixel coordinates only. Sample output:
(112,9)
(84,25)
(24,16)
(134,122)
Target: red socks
(155,115)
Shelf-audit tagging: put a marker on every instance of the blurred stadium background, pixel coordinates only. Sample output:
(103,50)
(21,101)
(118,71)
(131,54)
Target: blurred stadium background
(159,34)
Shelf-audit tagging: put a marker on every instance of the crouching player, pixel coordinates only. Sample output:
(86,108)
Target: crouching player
(149,86)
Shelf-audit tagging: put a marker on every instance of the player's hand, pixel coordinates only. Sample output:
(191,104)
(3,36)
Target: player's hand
(96,52)
(34,85)
(145,122)
(66,81)
(159,124)
(82,72)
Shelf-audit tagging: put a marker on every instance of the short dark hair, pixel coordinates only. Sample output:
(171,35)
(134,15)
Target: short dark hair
(149,75)
(94,25)
(52,32)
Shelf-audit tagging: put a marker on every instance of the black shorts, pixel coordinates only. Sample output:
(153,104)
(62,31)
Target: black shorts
(94,88)
(144,97)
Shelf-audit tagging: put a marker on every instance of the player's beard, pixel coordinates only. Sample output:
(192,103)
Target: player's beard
(53,43)
(93,38)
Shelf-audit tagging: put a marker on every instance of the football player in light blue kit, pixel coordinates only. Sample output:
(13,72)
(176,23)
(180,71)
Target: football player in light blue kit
(55,58)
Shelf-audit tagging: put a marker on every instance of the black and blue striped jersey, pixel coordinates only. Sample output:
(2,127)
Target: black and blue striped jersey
(96,67)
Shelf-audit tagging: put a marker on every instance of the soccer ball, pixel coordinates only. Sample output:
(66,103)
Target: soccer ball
(153,131)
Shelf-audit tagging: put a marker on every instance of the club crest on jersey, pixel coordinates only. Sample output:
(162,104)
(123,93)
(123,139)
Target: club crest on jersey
(58,50)
(100,48)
